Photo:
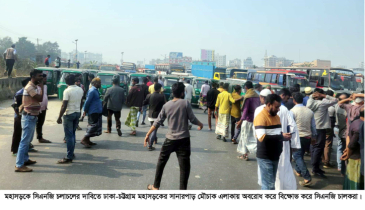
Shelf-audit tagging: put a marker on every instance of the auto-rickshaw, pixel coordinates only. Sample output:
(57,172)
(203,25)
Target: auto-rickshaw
(140,77)
(106,78)
(53,77)
(62,83)
(197,85)
(169,80)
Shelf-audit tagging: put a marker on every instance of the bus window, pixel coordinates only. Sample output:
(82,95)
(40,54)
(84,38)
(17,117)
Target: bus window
(281,78)
(273,78)
(249,77)
(256,77)
(262,77)
(268,78)
(284,81)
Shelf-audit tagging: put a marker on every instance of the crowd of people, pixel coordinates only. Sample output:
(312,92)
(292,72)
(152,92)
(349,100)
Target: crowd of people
(276,127)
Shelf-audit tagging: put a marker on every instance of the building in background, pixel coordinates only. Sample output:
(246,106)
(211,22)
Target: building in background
(237,63)
(175,57)
(206,63)
(361,65)
(248,63)
(316,63)
(221,60)
(207,55)
(273,61)
(159,61)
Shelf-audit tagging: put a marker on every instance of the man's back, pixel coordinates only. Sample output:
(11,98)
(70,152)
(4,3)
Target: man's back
(204,90)
(156,103)
(320,110)
(189,91)
(212,96)
(178,113)
(303,118)
(115,96)
(73,94)
(10,53)
(224,101)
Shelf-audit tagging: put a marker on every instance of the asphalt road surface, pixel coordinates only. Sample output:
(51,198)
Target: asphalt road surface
(122,163)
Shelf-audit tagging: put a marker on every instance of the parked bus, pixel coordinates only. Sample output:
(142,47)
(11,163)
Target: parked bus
(240,75)
(279,78)
(128,67)
(230,72)
(163,68)
(177,68)
(335,79)
(149,71)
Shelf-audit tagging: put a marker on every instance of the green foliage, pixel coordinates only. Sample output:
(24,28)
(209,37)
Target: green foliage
(5,43)
(49,48)
(25,49)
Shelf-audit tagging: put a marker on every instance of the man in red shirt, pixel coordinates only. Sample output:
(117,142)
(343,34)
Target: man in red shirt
(149,81)
(46,61)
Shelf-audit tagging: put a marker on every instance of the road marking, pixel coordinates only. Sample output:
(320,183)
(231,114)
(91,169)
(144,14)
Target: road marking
(197,176)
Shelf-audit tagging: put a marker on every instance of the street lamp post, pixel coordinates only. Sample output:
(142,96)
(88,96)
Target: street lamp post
(121,62)
(85,57)
(76,48)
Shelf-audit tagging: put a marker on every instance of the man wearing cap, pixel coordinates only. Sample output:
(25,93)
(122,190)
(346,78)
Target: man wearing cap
(308,92)
(269,87)
(258,89)
(114,97)
(352,111)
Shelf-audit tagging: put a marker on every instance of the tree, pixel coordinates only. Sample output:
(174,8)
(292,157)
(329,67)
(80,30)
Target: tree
(254,66)
(49,48)
(25,49)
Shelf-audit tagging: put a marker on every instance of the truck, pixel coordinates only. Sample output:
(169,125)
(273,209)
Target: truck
(231,72)
(209,72)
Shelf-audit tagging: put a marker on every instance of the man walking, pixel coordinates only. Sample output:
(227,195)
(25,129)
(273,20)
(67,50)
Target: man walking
(42,114)
(212,96)
(93,108)
(155,102)
(30,108)
(114,97)
(178,112)
(258,88)
(46,61)
(17,133)
(304,118)
(70,111)
(235,112)
(223,103)
(145,89)
(247,141)
(318,102)
(269,141)
(10,57)
(135,100)
(329,135)
(203,94)
(68,63)
(189,92)
(308,92)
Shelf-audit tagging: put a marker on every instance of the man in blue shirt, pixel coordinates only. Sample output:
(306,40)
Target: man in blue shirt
(93,108)
(308,92)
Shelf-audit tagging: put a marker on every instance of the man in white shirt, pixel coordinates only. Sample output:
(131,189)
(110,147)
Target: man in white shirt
(203,93)
(10,56)
(189,92)
(71,107)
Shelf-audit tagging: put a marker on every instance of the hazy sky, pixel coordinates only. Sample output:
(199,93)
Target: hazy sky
(147,29)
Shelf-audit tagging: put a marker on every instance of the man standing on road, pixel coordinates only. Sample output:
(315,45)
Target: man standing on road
(68,63)
(10,57)
(178,112)
(285,179)
(160,81)
(151,88)
(42,114)
(93,108)
(269,141)
(114,97)
(341,124)
(155,102)
(145,89)
(329,135)
(308,92)
(17,133)
(70,111)
(318,102)
(30,108)
(189,92)
(46,61)
(304,118)
(223,103)
(203,94)
(247,141)
(78,64)
(135,100)
(235,112)
(212,96)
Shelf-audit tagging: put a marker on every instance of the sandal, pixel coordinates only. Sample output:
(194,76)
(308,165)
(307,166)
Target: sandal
(133,133)
(240,157)
(64,160)
(150,187)
(297,174)
(246,158)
